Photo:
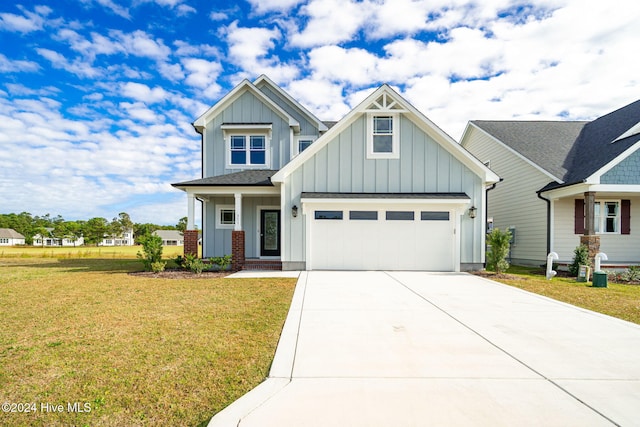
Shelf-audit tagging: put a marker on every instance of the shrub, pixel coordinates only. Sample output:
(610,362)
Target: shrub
(222,262)
(580,257)
(196,266)
(158,266)
(632,274)
(499,249)
(151,251)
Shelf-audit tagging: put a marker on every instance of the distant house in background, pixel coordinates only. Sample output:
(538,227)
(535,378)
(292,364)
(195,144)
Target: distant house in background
(126,239)
(565,183)
(53,241)
(10,237)
(170,237)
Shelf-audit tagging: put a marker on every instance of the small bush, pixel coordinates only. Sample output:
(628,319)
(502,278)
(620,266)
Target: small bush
(632,274)
(197,266)
(222,262)
(158,266)
(151,251)
(499,249)
(580,257)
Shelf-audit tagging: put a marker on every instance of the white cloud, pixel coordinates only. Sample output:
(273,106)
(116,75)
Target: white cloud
(330,22)
(263,6)
(15,65)
(27,23)
(77,67)
(144,93)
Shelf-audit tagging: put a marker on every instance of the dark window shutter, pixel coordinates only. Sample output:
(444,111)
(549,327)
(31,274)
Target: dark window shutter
(578,227)
(625,217)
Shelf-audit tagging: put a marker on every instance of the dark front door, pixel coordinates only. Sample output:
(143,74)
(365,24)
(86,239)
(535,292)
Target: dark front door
(269,233)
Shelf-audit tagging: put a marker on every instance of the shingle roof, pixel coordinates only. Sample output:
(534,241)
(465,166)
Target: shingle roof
(254,177)
(169,234)
(10,233)
(545,143)
(571,151)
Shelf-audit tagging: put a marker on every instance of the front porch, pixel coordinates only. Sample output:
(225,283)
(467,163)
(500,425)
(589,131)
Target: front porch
(241,216)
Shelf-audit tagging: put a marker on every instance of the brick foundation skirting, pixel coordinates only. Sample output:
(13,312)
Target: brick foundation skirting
(237,250)
(191,242)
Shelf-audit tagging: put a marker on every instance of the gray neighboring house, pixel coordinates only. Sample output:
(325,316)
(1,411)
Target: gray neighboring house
(10,237)
(170,237)
(382,189)
(565,182)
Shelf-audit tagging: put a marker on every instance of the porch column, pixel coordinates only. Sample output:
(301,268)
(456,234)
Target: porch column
(237,237)
(590,239)
(190,234)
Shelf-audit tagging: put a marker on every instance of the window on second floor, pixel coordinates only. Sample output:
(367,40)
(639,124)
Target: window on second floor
(248,150)
(301,143)
(383,138)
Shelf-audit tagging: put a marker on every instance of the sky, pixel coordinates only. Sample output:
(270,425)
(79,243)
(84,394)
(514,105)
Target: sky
(97,97)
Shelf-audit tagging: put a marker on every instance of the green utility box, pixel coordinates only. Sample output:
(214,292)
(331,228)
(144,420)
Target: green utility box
(600,279)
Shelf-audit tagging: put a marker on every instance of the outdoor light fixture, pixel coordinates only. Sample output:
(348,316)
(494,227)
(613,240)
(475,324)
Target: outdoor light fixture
(472,211)
(294,211)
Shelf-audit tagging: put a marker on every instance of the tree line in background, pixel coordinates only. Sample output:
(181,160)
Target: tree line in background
(92,230)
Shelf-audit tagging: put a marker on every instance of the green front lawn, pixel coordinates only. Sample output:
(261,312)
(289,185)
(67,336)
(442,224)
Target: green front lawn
(618,300)
(133,350)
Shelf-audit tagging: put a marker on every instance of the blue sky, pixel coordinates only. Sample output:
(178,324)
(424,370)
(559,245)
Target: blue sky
(97,97)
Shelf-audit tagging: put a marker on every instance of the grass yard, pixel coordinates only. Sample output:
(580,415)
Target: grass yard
(82,334)
(69,252)
(618,300)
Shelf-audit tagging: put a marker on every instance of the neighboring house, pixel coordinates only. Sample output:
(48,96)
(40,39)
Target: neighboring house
(170,237)
(126,239)
(52,241)
(565,183)
(383,188)
(10,237)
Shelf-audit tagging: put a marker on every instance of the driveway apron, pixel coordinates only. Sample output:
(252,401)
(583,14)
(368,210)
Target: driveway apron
(442,349)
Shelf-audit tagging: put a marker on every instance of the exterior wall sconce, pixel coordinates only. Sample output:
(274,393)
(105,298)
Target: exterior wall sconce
(472,212)
(294,211)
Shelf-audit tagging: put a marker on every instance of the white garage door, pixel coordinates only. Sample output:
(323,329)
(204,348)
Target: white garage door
(369,238)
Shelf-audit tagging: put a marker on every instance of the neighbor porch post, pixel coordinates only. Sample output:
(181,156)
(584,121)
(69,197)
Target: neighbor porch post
(237,237)
(590,239)
(191,234)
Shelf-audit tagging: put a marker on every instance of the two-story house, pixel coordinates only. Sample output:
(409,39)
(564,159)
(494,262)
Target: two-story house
(383,188)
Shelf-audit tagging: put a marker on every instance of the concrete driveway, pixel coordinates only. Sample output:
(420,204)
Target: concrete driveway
(442,349)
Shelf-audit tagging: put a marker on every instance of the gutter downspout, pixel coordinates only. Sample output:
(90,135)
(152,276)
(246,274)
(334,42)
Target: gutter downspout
(548,220)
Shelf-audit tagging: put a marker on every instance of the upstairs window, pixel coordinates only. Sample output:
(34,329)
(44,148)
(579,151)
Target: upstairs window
(247,145)
(301,143)
(383,138)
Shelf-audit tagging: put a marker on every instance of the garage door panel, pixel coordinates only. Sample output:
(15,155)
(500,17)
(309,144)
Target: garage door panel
(382,244)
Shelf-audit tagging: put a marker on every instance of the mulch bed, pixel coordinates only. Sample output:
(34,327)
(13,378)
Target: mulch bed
(181,274)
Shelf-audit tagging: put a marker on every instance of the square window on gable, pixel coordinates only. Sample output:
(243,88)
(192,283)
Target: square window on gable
(301,143)
(382,136)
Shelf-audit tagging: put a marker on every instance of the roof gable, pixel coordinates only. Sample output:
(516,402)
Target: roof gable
(245,86)
(385,99)
(264,80)
(546,144)
(10,233)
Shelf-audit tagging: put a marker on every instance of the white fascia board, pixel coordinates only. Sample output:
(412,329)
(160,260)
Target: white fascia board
(385,201)
(207,191)
(263,78)
(512,151)
(581,188)
(595,177)
(245,85)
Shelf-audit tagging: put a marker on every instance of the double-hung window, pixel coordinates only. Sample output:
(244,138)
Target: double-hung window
(607,217)
(247,145)
(383,137)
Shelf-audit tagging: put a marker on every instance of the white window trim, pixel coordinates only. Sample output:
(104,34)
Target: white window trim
(603,217)
(296,143)
(229,132)
(219,209)
(395,136)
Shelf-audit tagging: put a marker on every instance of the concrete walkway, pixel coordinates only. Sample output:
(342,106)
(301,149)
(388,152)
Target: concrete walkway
(442,349)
